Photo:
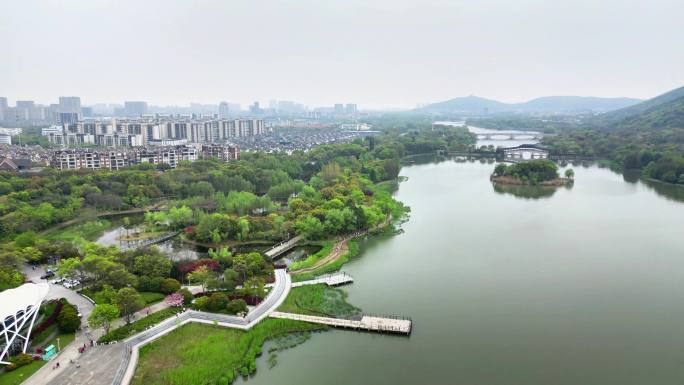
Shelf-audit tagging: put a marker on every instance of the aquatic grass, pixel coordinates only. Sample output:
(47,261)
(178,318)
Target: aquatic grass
(319,300)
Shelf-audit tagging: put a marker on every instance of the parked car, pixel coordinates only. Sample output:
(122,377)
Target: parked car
(57,280)
(48,274)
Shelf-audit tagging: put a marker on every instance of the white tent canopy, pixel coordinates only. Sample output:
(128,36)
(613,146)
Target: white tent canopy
(15,314)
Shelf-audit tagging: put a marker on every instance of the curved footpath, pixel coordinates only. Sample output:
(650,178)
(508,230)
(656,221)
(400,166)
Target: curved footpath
(115,364)
(281,288)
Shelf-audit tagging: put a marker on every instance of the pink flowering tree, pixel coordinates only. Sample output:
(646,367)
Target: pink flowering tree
(174,299)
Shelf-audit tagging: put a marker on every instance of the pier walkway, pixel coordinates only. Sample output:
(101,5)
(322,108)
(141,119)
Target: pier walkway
(336,279)
(367,323)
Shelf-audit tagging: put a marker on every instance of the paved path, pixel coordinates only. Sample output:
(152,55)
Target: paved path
(98,357)
(124,374)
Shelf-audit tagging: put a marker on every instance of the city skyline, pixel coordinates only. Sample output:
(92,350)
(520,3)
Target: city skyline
(378,54)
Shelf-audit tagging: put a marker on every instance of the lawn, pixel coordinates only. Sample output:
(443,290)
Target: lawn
(64,340)
(205,354)
(18,376)
(151,297)
(319,300)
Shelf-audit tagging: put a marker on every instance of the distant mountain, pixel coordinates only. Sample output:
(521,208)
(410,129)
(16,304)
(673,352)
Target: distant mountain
(664,111)
(473,105)
(465,105)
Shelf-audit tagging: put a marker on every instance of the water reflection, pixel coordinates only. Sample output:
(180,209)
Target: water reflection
(297,254)
(525,192)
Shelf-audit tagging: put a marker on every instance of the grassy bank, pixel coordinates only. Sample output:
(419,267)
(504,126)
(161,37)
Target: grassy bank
(319,300)
(335,265)
(203,354)
(313,258)
(89,231)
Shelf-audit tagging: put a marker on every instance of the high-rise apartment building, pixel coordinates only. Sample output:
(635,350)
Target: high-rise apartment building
(70,104)
(135,109)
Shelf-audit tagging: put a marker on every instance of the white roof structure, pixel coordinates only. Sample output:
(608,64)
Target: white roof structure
(19,298)
(18,307)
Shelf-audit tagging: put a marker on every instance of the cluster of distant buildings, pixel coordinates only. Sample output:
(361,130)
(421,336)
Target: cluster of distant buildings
(160,131)
(69,109)
(113,136)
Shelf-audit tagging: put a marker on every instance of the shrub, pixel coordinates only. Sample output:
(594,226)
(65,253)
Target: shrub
(18,361)
(237,306)
(170,285)
(175,299)
(53,308)
(200,303)
(217,302)
(187,296)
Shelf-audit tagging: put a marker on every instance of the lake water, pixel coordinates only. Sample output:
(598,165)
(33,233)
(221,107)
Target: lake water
(497,142)
(579,286)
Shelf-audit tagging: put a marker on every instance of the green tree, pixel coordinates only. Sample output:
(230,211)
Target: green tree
(105,296)
(230,279)
(129,301)
(180,217)
(103,315)
(201,276)
(68,320)
(570,173)
(26,239)
(154,265)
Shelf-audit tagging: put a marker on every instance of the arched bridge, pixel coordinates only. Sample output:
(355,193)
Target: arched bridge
(510,135)
(525,152)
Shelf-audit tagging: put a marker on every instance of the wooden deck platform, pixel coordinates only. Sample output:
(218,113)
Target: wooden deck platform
(366,323)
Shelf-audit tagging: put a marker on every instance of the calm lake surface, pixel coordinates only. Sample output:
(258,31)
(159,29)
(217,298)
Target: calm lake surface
(577,286)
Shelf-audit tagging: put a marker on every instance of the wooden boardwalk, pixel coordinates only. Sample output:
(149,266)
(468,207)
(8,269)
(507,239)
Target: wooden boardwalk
(366,323)
(282,247)
(336,279)
(124,245)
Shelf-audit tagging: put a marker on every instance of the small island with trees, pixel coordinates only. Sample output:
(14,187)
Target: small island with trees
(540,172)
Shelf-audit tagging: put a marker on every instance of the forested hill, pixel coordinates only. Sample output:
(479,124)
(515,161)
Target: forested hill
(664,111)
(648,136)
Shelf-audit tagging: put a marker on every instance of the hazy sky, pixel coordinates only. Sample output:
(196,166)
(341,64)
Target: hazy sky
(376,53)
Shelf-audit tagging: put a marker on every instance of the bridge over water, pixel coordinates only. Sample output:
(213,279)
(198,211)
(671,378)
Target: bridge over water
(510,135)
